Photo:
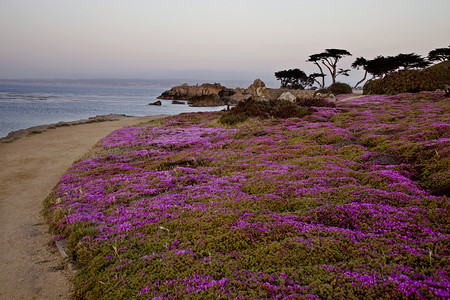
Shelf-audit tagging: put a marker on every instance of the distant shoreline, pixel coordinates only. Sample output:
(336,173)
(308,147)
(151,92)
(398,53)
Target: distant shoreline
(17,134)
(132,82)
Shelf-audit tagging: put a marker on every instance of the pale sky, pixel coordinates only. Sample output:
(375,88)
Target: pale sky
(207,39)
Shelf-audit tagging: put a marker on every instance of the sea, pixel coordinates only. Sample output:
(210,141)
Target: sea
(24,105)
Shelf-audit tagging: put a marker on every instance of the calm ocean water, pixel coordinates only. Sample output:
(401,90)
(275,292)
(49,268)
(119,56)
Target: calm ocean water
(26,105)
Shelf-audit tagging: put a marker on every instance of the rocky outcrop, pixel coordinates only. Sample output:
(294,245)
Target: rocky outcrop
(206,94)
(215,94)
(156,103)
(258,90)
(206,100)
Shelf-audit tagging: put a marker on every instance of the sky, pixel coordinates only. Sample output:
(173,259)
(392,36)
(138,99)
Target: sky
(208,39)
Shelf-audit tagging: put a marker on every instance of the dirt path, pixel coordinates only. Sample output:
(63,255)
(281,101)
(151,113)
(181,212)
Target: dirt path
(29,168)
(351,98)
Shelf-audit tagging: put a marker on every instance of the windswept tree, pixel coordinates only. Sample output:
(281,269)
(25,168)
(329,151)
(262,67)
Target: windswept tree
(293,79)
(314,77)
(329,58)
(439,54)
(284,77)
(317,59)
(411,61)
(360,62)
(381,66)
(377,67)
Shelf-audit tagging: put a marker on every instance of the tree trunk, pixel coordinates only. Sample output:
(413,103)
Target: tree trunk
(320,84)
(331,67)
(323,77)
(365,75)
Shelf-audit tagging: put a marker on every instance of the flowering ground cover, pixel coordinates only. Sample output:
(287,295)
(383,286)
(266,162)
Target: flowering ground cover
(349,202)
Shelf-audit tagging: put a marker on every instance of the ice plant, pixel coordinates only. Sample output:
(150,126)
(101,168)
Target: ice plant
(348,202)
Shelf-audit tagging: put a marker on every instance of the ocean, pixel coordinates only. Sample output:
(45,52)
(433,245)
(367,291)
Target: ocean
(27,105)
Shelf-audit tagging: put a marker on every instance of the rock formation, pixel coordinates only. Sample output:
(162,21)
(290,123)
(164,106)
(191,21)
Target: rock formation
(287,96)
(178,102)
(206,100)
(157,103)
(206,94)
(215,94)
(258,90)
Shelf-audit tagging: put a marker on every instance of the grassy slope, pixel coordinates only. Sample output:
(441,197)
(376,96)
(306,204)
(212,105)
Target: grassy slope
(334,205)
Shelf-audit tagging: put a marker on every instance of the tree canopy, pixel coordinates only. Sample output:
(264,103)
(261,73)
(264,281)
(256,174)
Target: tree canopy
(379,66)
(383,65)
(293,79)
(439,54)
(329,58)
(411,61)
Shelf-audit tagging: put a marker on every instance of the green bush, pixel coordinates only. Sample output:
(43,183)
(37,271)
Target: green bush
(321,91)
(411,81)
(233,118)
(286,109)
(340,88)
(263,109)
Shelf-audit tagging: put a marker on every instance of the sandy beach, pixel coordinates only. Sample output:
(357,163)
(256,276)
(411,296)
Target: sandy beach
(31,267)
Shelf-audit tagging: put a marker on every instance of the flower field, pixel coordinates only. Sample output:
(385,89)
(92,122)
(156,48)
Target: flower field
(349,202)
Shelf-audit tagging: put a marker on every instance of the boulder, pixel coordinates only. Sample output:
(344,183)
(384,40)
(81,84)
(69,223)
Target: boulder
(332,98)
(287,96)
(258,90)
(157,103)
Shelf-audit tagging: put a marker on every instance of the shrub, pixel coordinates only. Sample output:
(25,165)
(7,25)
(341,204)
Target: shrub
(411,81)
(263,109)
(273,209)
(321,91)
(233,118)
(340,88)
(286,109)
(441,71)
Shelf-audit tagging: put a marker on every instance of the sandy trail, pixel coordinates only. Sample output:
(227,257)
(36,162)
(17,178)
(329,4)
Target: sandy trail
(31,268)
(352,98)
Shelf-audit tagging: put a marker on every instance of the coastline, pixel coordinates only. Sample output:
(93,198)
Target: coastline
(31,166)
(16,134)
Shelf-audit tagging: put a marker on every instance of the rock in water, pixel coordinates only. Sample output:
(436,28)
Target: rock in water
(178,102)
(157,103)
(206,94)
(186,92)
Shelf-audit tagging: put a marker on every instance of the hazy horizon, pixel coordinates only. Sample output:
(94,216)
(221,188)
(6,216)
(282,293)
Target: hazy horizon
(209,40)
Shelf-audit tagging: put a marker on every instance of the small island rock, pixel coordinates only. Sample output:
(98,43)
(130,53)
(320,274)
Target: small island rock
(178,102)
